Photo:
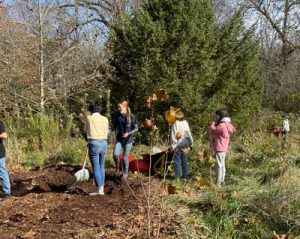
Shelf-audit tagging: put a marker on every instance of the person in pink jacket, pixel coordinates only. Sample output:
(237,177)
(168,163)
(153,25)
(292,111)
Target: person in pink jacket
(220,130)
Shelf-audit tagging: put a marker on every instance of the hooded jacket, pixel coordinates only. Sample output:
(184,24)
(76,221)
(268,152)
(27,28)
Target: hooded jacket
(220,135)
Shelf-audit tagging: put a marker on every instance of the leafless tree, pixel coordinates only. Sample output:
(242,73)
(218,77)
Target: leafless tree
(282,16)
(277,28)
(44,61)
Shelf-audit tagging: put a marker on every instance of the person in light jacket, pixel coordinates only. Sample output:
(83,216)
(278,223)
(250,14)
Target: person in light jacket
(285,126)
(220,130)
(97,132)
(181,141)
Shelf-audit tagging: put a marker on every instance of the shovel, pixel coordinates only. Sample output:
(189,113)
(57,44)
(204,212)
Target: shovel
(80,176)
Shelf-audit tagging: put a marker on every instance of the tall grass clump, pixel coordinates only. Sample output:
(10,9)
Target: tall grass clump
(40,139)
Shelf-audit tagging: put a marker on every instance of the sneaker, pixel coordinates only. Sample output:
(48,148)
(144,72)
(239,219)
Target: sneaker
(189,176)
(94,194)
(125,175)
(99,192)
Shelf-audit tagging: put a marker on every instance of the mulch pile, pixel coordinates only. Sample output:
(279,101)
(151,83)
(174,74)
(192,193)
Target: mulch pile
(42,208)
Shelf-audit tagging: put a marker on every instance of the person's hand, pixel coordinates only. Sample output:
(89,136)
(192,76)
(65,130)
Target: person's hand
(179,135)
(185,150)
(125,135)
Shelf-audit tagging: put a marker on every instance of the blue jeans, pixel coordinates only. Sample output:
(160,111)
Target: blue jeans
(180,164)
(4,177)
(97,154)
(117,151)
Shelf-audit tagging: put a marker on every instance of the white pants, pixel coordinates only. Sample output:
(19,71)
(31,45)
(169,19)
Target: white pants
(220,167)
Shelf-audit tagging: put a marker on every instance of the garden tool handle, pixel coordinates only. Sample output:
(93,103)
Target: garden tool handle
(85,157)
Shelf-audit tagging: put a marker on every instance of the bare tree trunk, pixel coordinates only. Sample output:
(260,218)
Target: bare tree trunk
(272,12)
(285,32)
(41,53)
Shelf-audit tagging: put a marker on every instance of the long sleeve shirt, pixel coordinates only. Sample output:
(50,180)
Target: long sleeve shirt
(181,127)
(220,135)
(122,127)
(286,125)
(96,127)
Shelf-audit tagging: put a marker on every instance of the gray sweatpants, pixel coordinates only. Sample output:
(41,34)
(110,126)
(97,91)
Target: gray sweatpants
(220,167)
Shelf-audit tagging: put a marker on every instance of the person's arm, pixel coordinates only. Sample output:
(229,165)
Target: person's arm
(135,129)
(189,134)
(231,129)
(211,128)
(173,139)
(3,134)
(217,129)
(135,125)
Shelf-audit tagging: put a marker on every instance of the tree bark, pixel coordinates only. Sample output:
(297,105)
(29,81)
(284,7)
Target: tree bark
(41,53)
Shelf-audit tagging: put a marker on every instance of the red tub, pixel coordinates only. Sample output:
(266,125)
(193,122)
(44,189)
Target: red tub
(130,159)
(277,133)
(141,166)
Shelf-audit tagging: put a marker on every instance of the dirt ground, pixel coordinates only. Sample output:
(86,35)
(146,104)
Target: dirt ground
(42,208)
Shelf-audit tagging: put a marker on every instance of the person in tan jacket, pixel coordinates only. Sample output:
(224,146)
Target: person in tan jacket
(97,132)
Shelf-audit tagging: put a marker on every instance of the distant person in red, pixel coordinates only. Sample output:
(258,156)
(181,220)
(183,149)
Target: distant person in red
(220,131)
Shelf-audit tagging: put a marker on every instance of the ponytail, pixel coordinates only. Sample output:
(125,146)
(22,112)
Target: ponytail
(128,114)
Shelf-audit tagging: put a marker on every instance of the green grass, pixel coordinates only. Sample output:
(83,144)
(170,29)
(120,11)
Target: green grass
(261,196)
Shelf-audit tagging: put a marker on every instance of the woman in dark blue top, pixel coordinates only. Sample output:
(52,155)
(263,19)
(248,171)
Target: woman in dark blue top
(126,125)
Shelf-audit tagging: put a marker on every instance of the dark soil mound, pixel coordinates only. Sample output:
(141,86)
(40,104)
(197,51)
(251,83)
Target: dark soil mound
(42,208)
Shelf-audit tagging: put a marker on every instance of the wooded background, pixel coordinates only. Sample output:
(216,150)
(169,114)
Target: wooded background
(56,56)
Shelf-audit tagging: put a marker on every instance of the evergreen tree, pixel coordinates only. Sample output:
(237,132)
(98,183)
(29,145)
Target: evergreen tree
(176,45)
(238,86)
